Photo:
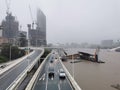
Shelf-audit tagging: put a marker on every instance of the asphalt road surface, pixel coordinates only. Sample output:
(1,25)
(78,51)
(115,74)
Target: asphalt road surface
(44,82)
(8,77)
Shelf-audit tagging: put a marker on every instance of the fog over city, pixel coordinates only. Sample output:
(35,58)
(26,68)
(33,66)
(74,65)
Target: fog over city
(71,20)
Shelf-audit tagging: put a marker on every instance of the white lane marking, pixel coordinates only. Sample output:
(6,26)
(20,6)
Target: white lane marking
(52,78)
(58,71)
(42,77)
(69,83)
(46,80)
(59,86)
(4,74)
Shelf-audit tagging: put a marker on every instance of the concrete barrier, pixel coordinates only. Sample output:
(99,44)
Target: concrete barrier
(22,76)
(17,81)
(32,64)
(35,76)
(72,81)
(15,62)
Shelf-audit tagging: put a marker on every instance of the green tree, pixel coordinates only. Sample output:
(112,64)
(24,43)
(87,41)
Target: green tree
(5,50)
(14,50)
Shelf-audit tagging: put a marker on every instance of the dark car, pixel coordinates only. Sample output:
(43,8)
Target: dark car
(51,72)
(51,60)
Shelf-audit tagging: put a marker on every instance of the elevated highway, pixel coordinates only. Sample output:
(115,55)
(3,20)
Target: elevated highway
(12,78)
(42,81)
(8,78)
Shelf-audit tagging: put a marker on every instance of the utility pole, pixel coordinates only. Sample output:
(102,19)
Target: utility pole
(36,43)
(73,64)
(10,53)
(29,27)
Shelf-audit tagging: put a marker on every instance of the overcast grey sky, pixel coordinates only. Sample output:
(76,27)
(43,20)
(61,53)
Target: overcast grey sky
(71,20)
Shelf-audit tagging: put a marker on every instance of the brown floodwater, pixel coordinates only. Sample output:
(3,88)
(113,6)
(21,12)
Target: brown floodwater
(97,76)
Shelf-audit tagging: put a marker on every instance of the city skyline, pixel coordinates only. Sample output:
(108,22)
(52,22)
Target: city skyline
(71,21)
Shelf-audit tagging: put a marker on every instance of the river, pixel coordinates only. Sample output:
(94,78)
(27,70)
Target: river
(96,76)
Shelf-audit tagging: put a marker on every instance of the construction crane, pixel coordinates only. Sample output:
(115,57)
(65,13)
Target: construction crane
(33,21)
(8,3)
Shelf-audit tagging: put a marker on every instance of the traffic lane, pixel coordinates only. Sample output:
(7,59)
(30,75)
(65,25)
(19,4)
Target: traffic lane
(57,83)
(10,76)
(29,57)
(52,84)
(7,78)
(42,79)
(33,56)
(64,84)
(41,82)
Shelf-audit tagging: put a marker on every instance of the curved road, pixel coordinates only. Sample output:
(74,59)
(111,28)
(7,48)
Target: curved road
(8,77)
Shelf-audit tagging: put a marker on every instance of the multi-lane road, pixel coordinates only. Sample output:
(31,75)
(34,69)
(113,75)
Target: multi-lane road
(44,82)
(8,77)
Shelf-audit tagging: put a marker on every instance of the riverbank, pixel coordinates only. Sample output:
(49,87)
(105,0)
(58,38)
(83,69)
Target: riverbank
(95,76)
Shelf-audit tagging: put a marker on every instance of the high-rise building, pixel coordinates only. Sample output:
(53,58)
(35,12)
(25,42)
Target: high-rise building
(10,28)
(37,36)
(41,25)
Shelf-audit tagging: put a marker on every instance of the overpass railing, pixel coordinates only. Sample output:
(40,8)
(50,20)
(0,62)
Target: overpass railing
(70,78)
(35,76)
(21,77)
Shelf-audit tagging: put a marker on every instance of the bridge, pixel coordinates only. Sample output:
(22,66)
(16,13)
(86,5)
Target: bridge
(13,75)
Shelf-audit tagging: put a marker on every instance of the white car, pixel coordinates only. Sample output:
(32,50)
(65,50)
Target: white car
(62,73)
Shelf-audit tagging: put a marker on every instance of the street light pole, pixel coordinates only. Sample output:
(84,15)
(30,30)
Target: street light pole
(73,65)
(10,53)
(29,27)
(36,42)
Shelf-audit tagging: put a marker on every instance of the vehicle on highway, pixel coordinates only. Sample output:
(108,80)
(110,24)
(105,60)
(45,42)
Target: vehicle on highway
(3,66)
(51,72)
(52,60)
(62,74)
(56,58)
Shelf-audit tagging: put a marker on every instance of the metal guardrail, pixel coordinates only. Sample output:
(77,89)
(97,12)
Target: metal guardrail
(21,77)
(72,81)
(35,77)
